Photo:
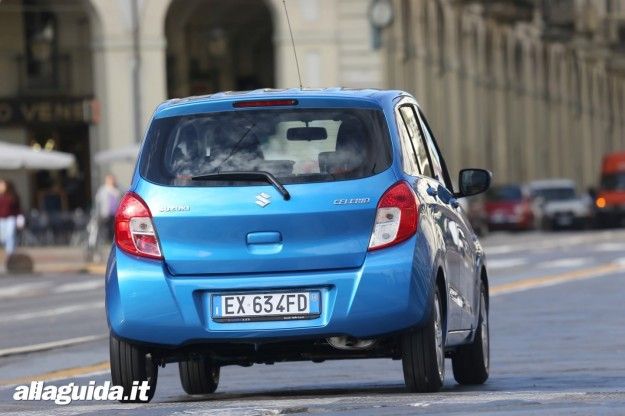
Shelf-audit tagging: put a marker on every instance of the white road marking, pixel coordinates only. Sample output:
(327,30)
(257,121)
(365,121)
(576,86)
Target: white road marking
(488,397)
(268,407)
(23,289)
(620,261)
(50,345)
(29,289)
(552,280)
(505,263)
(500,249)
(541,242)
(564,263)
(276,406)
(51,312)
(609,247)
(79,286)
(75,409)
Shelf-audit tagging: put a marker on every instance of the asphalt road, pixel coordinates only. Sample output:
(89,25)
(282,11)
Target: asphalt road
(557,333)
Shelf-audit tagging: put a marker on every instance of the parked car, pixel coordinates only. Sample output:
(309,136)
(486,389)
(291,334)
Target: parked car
(508,207)
(610,197)
(558,205)
(287,225)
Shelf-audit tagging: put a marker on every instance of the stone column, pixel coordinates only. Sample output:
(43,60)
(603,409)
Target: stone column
(585,135)
(113,87)
(316,33)
(500,130)
(455,109)
(114,60)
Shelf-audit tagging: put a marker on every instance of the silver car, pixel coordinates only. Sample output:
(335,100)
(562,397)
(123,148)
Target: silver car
(556,204)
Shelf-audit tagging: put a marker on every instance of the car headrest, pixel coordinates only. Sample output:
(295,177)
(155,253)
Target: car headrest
(337,163)
(350,136)
(188,144)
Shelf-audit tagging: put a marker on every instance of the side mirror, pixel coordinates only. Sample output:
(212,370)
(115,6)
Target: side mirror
(473,182)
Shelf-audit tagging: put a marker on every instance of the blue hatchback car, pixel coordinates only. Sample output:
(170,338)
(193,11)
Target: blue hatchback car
(299,224)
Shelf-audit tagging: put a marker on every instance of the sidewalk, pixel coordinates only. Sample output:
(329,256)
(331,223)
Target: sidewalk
(58,259)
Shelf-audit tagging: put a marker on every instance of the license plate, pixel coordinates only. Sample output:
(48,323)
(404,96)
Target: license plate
(240,307)
(499,217)
(564,220)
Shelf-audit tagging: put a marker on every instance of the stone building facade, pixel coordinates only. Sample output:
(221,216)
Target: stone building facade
(115,60)
(527,88)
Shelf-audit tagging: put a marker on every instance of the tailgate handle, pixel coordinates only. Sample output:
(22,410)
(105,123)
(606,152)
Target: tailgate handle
(264,237)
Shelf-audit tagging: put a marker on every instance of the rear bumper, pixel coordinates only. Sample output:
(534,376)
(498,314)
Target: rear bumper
(511,226)
(610,216)
(389,293)
(511,222)
(566,219)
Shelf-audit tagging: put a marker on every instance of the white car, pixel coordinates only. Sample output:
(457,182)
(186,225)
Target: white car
(556,204)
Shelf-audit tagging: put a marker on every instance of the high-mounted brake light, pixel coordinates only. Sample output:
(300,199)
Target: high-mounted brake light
(396,218)
(264,103)
(134,230)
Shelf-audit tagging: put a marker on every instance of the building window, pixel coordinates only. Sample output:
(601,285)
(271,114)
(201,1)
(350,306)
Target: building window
(41,40)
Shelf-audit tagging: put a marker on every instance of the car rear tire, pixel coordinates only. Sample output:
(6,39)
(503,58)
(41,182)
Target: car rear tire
(200,376)
(423,353)
(471,362)
(130,363)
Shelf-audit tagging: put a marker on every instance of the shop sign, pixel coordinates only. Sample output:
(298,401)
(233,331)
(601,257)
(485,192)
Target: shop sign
(48,110)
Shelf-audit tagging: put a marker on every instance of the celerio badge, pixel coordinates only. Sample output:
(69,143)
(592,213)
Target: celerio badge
(263,199)
(174,208)
(349,201)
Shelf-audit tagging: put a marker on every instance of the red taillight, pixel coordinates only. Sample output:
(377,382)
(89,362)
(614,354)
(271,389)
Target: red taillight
(134,230)
(396,218)
(264,103)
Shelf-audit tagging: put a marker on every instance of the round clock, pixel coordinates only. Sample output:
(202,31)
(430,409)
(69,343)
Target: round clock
(380,13)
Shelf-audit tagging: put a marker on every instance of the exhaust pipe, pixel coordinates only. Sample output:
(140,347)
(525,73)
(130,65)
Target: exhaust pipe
(350,343)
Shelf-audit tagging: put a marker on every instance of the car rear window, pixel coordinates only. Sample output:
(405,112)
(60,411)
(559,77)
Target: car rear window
(555,194)
(296,146)
(613,182)
(505,193)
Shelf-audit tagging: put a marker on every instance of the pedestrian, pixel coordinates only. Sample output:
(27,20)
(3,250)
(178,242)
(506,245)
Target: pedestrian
(9,212)
(106,202)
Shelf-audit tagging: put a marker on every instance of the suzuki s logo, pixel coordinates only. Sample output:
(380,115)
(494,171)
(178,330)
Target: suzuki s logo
(262,200)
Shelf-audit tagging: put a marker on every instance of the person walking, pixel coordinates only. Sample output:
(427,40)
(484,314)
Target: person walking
(9,211)
(106,203)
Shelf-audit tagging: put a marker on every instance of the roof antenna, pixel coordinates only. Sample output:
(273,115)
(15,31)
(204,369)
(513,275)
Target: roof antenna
(299,75)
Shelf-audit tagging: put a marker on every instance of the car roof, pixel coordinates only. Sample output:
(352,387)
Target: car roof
(613,162)
(365,97)
(551,183)
(507,186)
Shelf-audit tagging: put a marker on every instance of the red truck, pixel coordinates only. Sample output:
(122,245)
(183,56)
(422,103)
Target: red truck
(610,197)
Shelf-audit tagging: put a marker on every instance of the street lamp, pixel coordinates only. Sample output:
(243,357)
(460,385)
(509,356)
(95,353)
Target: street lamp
(380,16)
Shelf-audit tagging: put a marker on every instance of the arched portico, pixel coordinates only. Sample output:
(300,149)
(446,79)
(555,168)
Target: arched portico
(116,57)
(46,95)
(218,46)
(330,54)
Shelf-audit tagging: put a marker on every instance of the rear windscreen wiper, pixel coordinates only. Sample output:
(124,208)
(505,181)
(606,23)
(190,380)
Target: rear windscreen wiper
(252,176)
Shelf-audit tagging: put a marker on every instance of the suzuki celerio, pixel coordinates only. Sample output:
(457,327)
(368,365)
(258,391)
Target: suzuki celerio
(288,225)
